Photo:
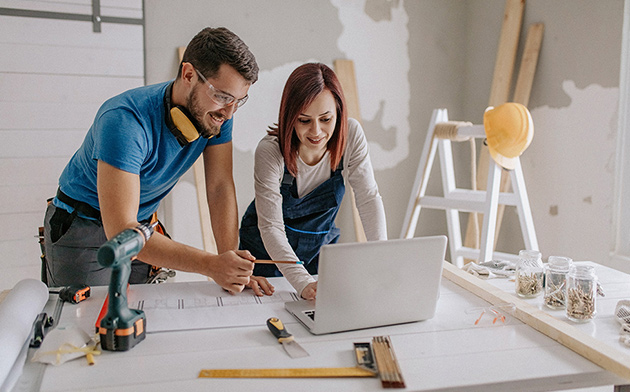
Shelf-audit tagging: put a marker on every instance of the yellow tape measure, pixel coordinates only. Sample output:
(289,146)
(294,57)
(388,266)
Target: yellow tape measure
(287,373)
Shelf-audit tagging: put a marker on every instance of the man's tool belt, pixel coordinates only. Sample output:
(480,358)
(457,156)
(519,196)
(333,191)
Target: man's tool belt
(79,206)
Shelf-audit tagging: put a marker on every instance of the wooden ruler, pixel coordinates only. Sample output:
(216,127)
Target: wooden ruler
(388,368)
(522,91)
(323,372)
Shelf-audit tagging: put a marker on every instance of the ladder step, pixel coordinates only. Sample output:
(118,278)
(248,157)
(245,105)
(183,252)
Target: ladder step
(465,200)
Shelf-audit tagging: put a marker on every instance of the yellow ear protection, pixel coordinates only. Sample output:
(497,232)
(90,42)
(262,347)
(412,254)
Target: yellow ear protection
(179,120)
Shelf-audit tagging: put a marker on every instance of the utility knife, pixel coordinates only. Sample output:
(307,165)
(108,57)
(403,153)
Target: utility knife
(285,338)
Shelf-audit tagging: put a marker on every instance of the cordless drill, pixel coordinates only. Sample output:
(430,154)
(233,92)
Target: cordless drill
(122,328)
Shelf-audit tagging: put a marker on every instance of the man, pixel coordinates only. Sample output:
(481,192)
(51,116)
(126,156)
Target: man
(141,142)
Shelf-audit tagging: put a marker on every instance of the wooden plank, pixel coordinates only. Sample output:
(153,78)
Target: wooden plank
(345,73)
(207,235)
(613,360)
(529,62)
(522,91)
(499,93)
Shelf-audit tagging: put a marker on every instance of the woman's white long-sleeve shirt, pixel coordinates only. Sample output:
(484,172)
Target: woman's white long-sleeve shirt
(268,173)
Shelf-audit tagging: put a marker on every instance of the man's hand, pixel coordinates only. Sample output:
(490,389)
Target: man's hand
(260,285)
(310,291)
(232,269)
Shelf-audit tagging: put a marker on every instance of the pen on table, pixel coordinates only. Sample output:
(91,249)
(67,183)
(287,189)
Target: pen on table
(277,262)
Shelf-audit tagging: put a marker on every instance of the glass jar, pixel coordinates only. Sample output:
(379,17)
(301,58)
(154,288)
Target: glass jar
(556,271)
(529,274)
(581,293)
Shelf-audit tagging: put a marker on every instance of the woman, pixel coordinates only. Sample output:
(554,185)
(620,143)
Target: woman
(299,173)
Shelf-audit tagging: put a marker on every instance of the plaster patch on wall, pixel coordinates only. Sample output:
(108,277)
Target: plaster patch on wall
(262,107)
(379,48)
(569,160)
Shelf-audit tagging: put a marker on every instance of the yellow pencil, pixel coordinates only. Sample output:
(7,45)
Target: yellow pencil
(277,262)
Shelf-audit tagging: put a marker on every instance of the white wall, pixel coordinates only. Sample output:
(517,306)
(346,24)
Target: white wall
(54,74)
(570,166)
(450,47)
(439,53)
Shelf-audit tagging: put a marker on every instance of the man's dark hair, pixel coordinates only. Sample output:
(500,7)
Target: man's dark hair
(213,47)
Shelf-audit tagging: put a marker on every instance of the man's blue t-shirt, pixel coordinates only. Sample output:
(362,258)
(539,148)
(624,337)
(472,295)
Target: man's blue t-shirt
(130,133)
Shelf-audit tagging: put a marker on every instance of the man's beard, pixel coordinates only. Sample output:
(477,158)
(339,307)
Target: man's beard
(193,106)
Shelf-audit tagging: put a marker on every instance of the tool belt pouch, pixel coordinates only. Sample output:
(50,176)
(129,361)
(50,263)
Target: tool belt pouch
(159,274)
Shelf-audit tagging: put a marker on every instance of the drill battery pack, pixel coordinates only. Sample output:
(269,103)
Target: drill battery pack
(122,336)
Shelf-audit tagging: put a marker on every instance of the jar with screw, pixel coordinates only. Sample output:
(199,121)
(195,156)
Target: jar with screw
(529,274)
(581,293)
(556,271)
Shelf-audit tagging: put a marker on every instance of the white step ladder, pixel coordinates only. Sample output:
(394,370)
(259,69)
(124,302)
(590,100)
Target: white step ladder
(467,200)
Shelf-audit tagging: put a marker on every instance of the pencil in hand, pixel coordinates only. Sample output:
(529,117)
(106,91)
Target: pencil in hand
(277,262)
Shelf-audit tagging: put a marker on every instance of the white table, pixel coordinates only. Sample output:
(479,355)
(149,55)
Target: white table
(447,352)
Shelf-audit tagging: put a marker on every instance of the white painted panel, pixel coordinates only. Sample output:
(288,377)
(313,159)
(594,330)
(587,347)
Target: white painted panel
(60,33)
(63,88)
(15,274)
(54,75)
(20,253)
(118,8)
(38,144)
(15,227)
(45,116)
(25,198)
(29,171)
(71,60)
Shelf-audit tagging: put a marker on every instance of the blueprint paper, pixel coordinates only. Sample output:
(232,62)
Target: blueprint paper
(200,305)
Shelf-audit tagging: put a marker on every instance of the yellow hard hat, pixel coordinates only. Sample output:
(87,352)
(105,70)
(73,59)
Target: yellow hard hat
(509,131)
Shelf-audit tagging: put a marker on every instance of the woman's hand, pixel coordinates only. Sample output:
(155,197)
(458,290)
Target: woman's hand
(310,291)
(260,285)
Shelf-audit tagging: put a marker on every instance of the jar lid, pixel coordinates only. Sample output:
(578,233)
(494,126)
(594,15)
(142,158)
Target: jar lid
(559,262)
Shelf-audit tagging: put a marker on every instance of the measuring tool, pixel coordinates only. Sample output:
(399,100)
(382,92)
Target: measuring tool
(287,373)
(388,369)
(73,294)
(122,328)
(287,340)
(366,367)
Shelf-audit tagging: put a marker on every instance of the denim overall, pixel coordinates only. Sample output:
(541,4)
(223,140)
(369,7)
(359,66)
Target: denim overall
(309,222)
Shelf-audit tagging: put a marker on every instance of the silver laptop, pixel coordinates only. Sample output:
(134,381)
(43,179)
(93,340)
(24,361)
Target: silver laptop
(371,284)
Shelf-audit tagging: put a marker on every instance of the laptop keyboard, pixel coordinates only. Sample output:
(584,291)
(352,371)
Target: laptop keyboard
(310,313)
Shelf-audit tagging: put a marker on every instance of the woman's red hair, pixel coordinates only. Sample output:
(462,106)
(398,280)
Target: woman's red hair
(301,89)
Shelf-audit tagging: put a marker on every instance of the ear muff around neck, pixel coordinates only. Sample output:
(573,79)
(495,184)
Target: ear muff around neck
(179,120)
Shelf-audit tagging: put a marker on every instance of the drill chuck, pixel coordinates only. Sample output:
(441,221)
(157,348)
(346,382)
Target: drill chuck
(126,245)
